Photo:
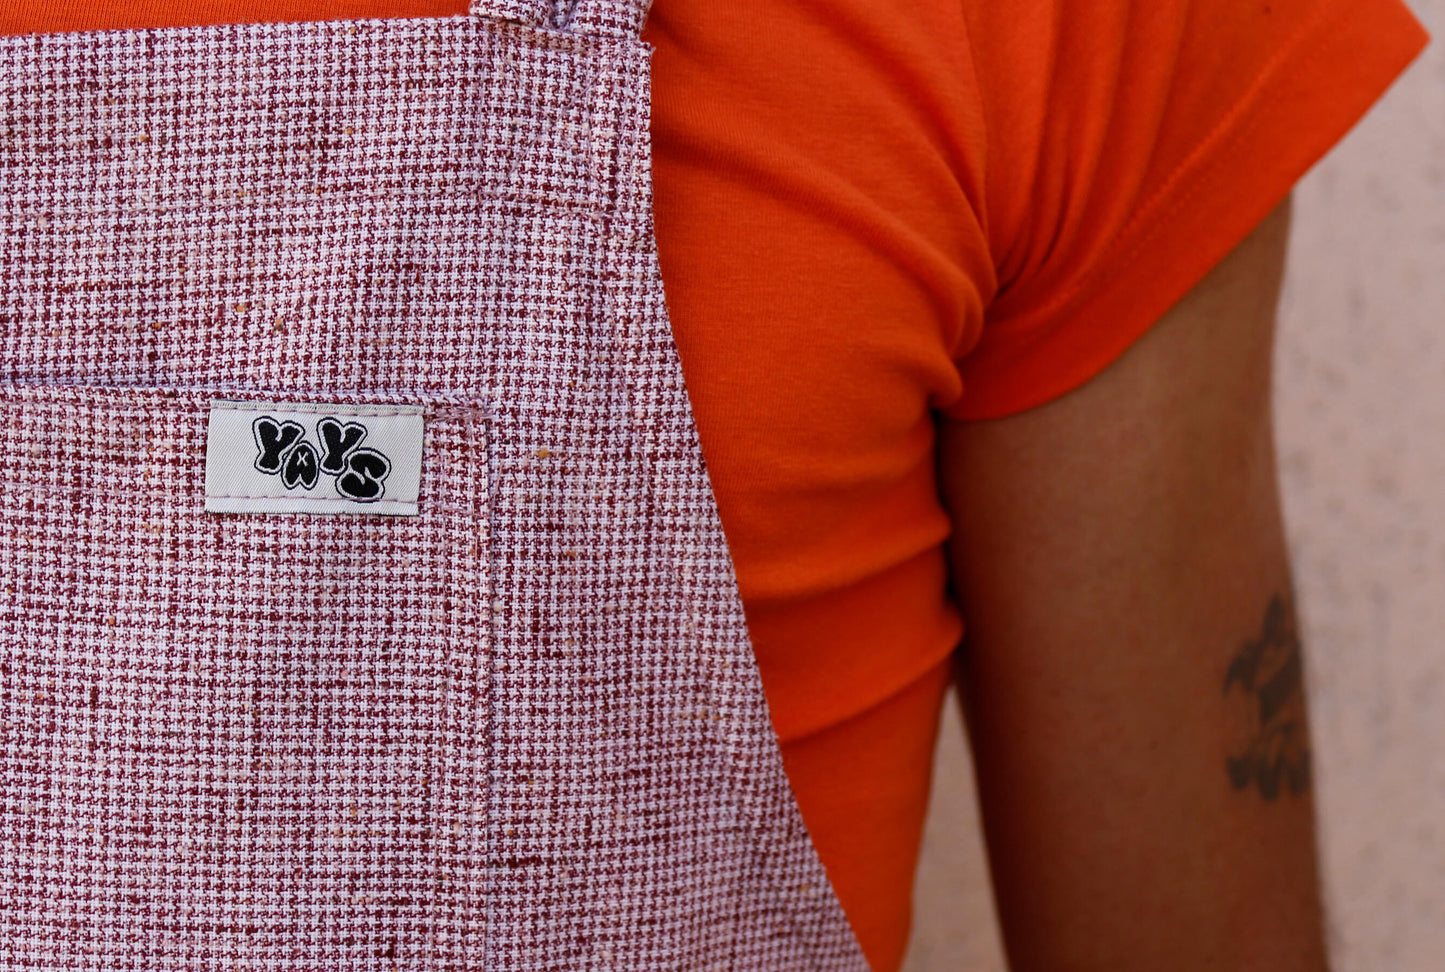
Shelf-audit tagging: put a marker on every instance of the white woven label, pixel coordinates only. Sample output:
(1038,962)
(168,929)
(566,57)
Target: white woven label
(302,458)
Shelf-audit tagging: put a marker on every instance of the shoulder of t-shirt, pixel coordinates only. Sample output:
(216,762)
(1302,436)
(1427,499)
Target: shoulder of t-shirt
(1131,146)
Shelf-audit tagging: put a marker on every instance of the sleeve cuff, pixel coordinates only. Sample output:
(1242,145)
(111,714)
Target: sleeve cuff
(1302,106)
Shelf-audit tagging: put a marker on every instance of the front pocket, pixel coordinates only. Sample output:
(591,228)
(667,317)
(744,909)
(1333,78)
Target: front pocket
(234,740)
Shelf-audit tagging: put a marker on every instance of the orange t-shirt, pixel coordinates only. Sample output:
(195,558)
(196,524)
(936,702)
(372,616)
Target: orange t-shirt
(870,214)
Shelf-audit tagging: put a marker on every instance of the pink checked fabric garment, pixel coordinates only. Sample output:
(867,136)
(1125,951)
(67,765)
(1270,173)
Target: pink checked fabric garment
(518,730)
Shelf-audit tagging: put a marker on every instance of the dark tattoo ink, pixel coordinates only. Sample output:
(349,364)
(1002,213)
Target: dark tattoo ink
(1269,673)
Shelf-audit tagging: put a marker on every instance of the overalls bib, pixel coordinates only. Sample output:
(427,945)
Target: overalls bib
(507,717)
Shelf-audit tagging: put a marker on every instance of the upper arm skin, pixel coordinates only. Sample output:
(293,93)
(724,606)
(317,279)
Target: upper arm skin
(1116,552)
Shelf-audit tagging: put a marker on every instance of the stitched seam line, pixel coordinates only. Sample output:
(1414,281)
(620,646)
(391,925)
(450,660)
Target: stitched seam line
(312,499)
(340,409)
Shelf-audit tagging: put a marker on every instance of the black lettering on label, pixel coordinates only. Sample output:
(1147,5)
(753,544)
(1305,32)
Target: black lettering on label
(337,442)
(365,476)
(302,467)
(273,440)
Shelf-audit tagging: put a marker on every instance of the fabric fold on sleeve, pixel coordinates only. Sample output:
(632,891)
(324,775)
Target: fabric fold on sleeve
(1041,342)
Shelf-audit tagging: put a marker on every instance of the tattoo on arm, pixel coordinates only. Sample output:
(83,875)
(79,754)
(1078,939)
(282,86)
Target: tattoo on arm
(1268,677)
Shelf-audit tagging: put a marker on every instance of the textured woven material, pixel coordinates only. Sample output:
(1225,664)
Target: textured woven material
(622,18)
(619,18)
(533,13)
(521,730)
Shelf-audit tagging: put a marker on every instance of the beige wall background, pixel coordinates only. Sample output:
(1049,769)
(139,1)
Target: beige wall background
(1361,419)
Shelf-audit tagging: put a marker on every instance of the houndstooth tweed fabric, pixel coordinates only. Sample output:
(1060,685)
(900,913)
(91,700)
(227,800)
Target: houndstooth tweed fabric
(522,730)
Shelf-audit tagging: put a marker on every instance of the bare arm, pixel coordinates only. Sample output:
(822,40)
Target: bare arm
(1132,671)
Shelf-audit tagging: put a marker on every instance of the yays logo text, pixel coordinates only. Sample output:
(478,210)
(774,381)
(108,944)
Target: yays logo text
(282,450)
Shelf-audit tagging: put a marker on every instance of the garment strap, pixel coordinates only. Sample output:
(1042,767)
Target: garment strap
(535,13)
(616,18)
(620,18)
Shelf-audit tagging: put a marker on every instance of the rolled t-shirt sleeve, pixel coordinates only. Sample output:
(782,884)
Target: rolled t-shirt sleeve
(1131,146)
